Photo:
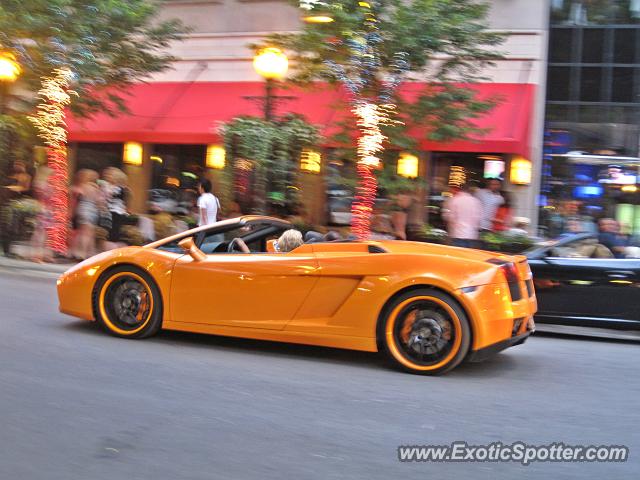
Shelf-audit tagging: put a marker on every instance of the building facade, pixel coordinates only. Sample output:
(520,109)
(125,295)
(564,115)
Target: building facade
(592,134)
(174,117)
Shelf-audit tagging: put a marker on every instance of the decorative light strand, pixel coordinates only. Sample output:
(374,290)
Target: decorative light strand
(360,77)
(49,120)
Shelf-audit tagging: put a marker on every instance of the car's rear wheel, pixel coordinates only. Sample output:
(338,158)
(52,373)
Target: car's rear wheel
(127,303)
(424,331)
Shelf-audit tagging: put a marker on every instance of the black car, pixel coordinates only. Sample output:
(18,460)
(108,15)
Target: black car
(582,289)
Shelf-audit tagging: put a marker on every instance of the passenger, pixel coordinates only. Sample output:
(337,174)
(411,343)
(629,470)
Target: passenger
(289,240)
(331,236)
(313,237)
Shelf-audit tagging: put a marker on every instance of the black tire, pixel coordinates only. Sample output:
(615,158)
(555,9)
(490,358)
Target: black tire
(424,331)
(127,303)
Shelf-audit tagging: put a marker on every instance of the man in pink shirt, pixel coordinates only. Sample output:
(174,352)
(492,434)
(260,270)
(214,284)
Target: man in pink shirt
(463,213)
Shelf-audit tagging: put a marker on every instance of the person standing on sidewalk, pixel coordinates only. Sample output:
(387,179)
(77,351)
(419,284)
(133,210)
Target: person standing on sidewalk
(208,204)
(463,213)
(490,200)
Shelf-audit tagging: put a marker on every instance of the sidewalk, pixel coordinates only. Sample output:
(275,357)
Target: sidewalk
(18,264)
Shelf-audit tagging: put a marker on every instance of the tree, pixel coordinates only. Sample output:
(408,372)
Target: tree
(445,43)
(372,46)
(106,44)
(264,158)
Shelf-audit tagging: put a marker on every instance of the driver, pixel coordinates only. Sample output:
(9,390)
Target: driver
(289,240)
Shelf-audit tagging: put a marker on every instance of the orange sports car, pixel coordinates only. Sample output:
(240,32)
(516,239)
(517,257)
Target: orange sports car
(427,307)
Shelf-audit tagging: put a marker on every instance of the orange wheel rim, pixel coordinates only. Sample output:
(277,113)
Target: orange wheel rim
(126,303)
(423,333)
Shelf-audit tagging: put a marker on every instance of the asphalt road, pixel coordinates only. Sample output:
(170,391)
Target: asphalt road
(76,403)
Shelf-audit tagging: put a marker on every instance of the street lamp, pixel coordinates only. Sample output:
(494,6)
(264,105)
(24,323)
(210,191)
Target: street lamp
(9,72)
(272,65)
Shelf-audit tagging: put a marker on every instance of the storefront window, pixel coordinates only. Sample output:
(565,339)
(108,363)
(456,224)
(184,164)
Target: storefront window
(449,169)
(98,156)
(580,187)
(175,174)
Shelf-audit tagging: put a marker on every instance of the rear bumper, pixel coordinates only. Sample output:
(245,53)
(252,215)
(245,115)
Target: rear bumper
(486,352)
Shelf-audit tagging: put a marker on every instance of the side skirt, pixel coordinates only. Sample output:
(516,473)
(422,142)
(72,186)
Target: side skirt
(365,344)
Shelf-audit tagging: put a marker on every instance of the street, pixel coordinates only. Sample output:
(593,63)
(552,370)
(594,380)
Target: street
(77,403)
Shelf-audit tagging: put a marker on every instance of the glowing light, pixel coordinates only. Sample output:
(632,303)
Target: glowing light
(133,153)
(457,176)
(49,120)
(92,271)
(370,143)
(629,188)
(9,68)
(408,165)
(172,181)
(271,63)
(216,157)
(244,164)
(520,173)
(155,158)
(310,161)
(317,19)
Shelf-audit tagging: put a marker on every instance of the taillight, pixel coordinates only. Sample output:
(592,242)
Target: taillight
(510,272)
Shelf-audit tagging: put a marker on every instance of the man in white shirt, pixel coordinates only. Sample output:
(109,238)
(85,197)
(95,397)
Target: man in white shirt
(463,212)
(208,204)
(490,199)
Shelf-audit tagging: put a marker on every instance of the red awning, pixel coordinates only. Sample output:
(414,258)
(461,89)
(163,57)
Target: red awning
(191,112)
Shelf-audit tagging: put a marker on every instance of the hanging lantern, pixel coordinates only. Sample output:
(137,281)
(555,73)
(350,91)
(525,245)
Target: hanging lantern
(216,157)
(407,165)
(520,173)
(310,161)
(133,153)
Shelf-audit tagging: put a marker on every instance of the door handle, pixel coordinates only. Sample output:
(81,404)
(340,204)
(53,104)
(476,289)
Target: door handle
(619,274)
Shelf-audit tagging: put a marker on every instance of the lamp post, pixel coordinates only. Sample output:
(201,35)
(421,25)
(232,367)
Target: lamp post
(9,72)
(272,65)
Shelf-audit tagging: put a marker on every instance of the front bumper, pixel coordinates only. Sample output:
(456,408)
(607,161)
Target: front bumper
(486,352)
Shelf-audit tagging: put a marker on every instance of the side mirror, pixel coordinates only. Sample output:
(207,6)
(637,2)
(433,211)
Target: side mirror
(189,246)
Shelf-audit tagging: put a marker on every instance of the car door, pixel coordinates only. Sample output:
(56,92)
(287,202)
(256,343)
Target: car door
(594,292)
(253,290)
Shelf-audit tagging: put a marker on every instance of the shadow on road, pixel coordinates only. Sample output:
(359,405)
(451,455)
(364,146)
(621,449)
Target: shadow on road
(502,363)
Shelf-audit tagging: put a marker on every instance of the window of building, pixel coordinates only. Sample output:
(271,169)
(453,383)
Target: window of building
(98,156)
(593,45)
(176,170)
(591,84)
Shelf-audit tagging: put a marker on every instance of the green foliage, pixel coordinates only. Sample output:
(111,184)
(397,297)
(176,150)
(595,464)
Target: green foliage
(105,43)
(273,148)
(446,43)
(391,184)
(500,242)
(17,137)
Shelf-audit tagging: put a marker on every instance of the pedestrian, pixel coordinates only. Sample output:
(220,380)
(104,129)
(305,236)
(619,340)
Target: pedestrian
(504,214)
(117,196)
(42,192)
(86,200)
(19,179)
(208,204)
(463,213)
(490,200)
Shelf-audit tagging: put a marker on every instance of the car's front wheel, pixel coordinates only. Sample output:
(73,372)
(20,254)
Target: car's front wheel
(424,331)
(127,303)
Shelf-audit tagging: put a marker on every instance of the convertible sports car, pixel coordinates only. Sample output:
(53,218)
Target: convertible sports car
(428,307)
(583,289)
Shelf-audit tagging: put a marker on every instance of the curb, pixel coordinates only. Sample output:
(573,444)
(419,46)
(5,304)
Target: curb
(25,265)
